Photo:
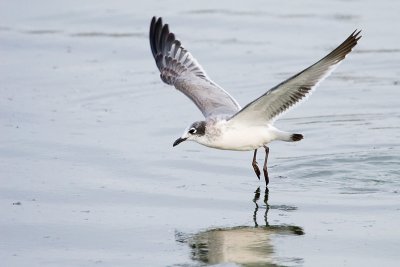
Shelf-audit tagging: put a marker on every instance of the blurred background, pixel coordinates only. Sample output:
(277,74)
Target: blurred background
(88,175)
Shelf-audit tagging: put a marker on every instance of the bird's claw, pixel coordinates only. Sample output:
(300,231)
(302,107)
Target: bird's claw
(266,176)
(256,169)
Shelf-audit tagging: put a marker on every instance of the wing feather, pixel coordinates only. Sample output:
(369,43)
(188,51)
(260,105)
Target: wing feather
(179,68)
(285,95)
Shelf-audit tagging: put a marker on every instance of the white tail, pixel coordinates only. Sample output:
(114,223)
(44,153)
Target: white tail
(288,137)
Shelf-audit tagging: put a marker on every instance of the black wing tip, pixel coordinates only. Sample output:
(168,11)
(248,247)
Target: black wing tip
(356,35)
(340,52)
(155,24)
(352,41)
(160,36)
(155,20)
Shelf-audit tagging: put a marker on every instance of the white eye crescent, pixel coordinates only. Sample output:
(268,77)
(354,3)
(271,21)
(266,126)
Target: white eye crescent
(192,131)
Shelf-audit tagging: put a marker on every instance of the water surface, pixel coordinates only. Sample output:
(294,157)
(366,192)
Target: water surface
(88,173)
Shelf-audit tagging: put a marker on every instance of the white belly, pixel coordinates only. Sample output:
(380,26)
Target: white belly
(242,138)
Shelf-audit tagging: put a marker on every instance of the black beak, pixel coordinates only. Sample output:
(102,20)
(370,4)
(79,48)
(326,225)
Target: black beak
(178,141)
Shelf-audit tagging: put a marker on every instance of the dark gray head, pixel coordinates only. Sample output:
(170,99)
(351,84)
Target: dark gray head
(193,132)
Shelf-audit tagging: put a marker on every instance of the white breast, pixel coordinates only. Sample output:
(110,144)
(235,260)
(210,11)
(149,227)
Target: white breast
(221,136)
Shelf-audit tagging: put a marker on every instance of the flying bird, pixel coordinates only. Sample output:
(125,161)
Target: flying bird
(227,125)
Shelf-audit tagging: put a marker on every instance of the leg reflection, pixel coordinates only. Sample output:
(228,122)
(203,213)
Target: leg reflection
(255,199)
(242,244)
(257,195)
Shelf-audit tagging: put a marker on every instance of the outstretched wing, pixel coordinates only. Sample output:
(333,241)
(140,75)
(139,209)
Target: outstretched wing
(179,68)
(285,95)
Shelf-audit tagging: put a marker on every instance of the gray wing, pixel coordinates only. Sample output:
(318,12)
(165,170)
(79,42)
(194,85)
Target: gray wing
(179,68)
(286,94)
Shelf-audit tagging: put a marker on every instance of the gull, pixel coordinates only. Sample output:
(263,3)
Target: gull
(226,125)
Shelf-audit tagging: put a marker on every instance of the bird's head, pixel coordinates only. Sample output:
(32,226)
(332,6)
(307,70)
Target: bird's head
(194,132)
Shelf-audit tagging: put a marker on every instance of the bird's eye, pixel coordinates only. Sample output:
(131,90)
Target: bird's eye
(192,131)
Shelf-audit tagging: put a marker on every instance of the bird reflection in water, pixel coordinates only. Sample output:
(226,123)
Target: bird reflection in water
(243,245)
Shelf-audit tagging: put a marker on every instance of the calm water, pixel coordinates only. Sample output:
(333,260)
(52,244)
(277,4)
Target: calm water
(87,169)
